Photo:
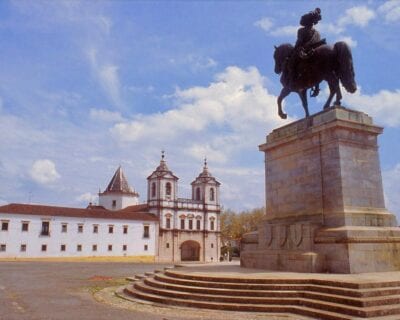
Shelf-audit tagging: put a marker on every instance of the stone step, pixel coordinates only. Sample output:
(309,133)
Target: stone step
(319,305)
(298,292)
(168,268)
(265,308)
(375,292)
(324,282)
(149,274)
(140,276)
(131,279)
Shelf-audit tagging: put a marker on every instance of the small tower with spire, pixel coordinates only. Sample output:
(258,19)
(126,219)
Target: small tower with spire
(162,184)
(118,194)
(205,187)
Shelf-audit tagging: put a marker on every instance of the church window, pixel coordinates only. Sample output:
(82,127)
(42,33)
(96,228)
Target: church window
(198,224)
(125,229)
(23,247)
(79,247)
(25,226)
(124,247)
(182,224)
(94,247)
(3,247)
(80,228)
(95,228)
(44,247)
(114,203)
(4,226)
(212,224)
(153,189)
(146,231)
(212,245)
(63,247)
(146,247)
(190,224)
(168,189)
(111,229)
(167,245)
(198,196)
(212,194)
(64,227)
(110,247)
(45,228)
(168,223)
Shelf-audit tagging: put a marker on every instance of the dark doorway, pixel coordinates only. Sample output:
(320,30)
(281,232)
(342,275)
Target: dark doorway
(190,251)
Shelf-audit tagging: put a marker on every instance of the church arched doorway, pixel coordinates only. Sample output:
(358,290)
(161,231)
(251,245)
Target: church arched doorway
(190,251)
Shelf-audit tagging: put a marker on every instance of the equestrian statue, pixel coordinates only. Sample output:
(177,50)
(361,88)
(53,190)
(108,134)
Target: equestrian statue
(311,61)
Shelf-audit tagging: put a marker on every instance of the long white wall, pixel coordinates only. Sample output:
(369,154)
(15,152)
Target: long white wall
(135,243)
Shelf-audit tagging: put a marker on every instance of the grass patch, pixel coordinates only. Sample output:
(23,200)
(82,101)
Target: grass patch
(101,284)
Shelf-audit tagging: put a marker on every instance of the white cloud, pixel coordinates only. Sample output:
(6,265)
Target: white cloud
(382,106)
(3,202)
(105,115)
(264,23)
(329,28)
(349,40)
(44,171)
(285,31)
(86,197)
(107,75)
(200,151)
(195,61)
(236,100)
(359,16)
(390,10)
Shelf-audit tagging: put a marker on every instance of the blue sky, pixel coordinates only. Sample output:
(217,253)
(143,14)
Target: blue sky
(87,86)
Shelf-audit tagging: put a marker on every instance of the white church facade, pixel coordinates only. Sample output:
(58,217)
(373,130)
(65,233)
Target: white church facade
(165,228)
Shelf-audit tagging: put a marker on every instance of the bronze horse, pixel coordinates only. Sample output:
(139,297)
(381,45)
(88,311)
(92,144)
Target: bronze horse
(327,63)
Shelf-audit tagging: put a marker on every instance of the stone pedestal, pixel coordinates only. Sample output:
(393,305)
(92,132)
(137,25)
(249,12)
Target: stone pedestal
(324,199)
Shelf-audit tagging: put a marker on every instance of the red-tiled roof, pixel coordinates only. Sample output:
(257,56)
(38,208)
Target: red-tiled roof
(137,212)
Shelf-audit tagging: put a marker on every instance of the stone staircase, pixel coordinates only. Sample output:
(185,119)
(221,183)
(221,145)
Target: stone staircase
(313,297)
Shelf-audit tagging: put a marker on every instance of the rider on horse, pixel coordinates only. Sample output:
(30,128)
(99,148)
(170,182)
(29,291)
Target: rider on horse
(308,39)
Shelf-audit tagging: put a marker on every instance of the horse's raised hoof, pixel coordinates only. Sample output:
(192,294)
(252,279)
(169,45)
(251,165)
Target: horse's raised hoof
(283,115)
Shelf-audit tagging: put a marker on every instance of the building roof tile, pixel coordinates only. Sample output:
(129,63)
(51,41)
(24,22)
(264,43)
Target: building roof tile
(136,212)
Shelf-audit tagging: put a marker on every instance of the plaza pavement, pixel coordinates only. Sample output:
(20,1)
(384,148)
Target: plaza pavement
(42,290)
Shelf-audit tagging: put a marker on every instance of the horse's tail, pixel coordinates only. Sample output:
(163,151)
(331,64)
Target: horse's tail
(345,69)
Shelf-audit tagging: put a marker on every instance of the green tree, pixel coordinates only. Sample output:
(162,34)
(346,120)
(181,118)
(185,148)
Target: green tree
(234,225)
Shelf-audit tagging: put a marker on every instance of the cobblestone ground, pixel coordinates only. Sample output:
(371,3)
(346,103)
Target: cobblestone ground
(82,290)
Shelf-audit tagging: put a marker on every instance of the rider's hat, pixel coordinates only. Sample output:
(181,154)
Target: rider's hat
(311,18)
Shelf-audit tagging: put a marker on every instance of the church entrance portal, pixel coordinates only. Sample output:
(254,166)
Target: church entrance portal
(190,251)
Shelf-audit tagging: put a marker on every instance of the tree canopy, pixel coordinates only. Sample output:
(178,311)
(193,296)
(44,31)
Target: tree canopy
(234,225)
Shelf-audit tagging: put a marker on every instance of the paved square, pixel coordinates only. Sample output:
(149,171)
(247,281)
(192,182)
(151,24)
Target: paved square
(64,290)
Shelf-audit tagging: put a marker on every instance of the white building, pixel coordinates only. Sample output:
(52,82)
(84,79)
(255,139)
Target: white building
(167,228)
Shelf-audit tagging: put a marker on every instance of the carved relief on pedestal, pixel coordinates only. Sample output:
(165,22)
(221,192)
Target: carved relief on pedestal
(269,235)
(282,234)
(296,232)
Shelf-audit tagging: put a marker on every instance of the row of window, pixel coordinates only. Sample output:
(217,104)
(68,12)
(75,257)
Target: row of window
(63,247)
(168,188)
(167,245)
(45,231)
(198,224)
